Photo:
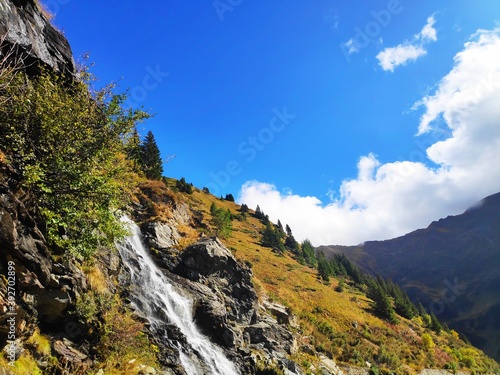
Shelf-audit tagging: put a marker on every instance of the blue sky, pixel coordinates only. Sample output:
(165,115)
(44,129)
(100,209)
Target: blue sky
(311,108)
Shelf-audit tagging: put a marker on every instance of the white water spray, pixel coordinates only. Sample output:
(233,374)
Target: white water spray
(155,297)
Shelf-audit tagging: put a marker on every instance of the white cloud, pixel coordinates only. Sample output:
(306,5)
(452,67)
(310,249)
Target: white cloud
(392,57)
(391,199)
(428,33)
(351,46)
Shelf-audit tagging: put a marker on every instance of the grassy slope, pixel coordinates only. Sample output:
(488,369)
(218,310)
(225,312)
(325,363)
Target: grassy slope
(339,323)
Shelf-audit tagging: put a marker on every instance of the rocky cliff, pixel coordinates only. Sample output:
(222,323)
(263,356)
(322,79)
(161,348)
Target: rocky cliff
(26,32)
(46,287)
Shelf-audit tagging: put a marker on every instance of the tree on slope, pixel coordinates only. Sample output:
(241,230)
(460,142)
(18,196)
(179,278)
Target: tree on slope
(152,165)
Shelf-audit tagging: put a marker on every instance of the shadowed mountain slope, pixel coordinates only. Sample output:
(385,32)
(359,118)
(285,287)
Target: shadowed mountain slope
(452,267)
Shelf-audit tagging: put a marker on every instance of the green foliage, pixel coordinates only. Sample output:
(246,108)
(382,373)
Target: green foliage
(259,214)
(229,197)
(325,269)
(133,150)
(307,253)
(340,287)
(435,325)
(244,208)
(121,337)
(388,358)
(290,243)
(152,164)
(183,186)
(272,237)
(222,220)
(382,303)
(67,143)
(206,190)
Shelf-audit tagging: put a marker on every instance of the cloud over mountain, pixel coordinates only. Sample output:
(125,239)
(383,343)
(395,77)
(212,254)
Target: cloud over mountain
(441,176)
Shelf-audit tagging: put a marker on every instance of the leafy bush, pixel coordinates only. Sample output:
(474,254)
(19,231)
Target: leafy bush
(67,144)
(428,342)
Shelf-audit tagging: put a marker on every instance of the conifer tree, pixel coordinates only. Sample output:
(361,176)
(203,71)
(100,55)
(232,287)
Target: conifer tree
(382,302)
(152,165)
(271,237)
(308,253)
(325,269)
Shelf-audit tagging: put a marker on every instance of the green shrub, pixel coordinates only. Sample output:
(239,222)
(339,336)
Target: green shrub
(67,144)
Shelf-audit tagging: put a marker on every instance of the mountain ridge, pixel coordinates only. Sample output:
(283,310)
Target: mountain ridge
(452,267)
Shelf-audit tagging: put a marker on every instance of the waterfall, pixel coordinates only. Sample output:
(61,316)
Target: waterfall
(155,297)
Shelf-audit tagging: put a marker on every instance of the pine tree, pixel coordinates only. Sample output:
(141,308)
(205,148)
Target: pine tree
(435,324)
(183,186)
(271,237)
(308,253)
(325,269)
(382,302)
(258,213)
(152,165)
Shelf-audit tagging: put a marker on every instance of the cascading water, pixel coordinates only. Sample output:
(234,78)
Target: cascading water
(154,296)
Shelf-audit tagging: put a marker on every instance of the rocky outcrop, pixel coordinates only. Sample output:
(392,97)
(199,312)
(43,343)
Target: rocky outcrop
(227,309)
(43,290)
(25,30)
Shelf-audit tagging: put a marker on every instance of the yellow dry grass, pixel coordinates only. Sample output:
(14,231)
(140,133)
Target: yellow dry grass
(96,279)
(340,323)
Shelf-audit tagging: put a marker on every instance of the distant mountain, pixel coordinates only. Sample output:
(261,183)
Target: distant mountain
(452,267)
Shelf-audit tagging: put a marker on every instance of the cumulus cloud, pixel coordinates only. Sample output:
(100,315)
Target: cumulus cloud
(392,57)
(391,199)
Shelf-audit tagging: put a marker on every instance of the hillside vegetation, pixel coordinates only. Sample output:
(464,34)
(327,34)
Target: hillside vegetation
(452,267)
(335,317)
(71,158)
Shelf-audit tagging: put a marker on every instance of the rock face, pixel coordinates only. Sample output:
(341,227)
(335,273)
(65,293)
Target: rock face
(44,289)
(227,309)
(24,27)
